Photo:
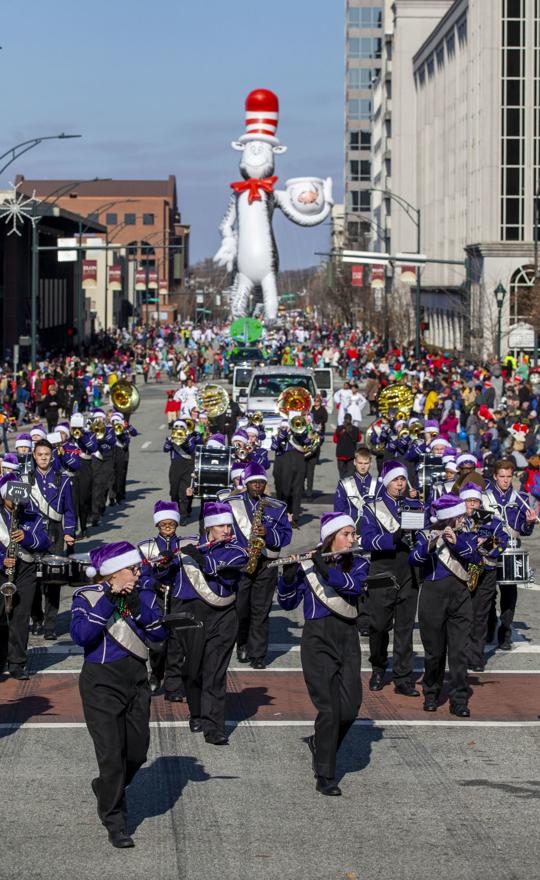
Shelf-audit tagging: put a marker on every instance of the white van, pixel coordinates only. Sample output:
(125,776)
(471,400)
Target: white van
(266,385)
(240,380)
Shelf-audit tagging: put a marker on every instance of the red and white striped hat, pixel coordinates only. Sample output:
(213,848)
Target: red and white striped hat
(262,115)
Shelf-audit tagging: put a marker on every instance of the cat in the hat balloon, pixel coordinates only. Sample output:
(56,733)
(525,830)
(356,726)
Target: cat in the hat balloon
(247,239)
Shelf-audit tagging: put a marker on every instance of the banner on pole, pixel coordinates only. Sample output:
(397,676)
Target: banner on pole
(357,276)
(140,279)
(115,277)
(152,279)
(89,273)
(408,274)
(377,276)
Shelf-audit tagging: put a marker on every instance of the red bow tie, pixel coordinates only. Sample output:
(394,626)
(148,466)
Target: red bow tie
(253,185)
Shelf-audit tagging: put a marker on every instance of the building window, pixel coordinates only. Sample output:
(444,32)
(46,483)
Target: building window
(148,219)
(360,200)
(451,44)
(462,31)
(130,219)
(364,47)
(361,77)
(359,140)
(439,52)
(367,17)
(360,169)
(132,248)
(513,121)
(111,219)
(360,108)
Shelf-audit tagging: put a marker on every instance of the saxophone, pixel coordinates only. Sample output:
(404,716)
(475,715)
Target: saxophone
(256,544)
(9,588)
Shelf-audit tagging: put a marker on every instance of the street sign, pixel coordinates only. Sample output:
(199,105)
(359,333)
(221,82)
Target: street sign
(25,340)
(66,256)
(521,336)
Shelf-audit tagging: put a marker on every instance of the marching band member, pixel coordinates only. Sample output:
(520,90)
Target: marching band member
(102,465)
(257,517)
(467,473)
(67,456)
(181,468)
(351,491)
(86,443)
(37,432)
(51,496)
(445,608)
(124,434)
(488,527)
(30,537)
(9,464)
(206,585)
(161,579)
(257,452)
(111,620)
(503,500)
(312,457)
(381,533)
(290,466)
(330,650)
(450,473)
(419,448)
(240,444)
(237,472)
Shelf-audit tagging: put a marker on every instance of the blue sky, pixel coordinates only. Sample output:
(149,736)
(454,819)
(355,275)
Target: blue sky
(158,88)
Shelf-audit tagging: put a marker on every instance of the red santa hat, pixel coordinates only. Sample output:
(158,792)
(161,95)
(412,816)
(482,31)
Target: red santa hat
(519,431)
(262,115)
(485,413)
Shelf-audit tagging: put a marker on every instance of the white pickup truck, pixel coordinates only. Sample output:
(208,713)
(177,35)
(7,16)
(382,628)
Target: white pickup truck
(266,384)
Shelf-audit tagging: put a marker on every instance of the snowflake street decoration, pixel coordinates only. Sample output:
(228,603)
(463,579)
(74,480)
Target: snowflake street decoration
(17,208)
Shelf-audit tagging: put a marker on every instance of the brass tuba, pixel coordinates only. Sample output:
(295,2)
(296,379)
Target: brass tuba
(124,396)
(97,426)
(395,401)
(256,418)
(294,399)
(178,436)
(298,424)
(213,399)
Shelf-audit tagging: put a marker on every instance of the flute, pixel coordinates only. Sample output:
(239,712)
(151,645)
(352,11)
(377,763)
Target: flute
(306,555)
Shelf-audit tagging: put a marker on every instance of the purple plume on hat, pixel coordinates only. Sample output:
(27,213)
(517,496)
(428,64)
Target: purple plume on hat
(431,425)
(254,471)
(447,507)
(23,440)
(440,441)
(216,441)
(237,470)
(240,436)
(4,480)
(334,521)
(392,469)
(112,557)
(166,510)
(466,458)
(38,429)
(217,513)
(10,461)
(470,490)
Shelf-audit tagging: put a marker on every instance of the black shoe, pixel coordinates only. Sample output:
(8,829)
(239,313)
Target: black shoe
(174,698)
(195,725)
(309,496)
(294,523)
(460,709)
(19,673)
(311,743)
(242,654)
(407,689)
(506,645)
(37,629)
(94,521)
(121,839)
(215,738)
(430,704)
(327,786)
(154,683)
(113,502)
(376,682)
(184,521)
(258,664)
(477,667)
(50,637)
(364,631)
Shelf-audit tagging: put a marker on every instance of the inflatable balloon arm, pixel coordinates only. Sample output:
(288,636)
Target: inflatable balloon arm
(227,253)
(283,200)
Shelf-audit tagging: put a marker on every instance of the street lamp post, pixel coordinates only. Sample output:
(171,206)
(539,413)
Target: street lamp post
(416,216)
(23,147)
(500,294)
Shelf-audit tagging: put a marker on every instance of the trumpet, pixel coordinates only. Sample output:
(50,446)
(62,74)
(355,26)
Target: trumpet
(76,433)
(118,428)
(190,425)
(298,424)
(240,451)
(404,433)
(178,436)
(97,426)
(256,418)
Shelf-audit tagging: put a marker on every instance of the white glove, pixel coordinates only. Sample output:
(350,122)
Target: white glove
(226,255)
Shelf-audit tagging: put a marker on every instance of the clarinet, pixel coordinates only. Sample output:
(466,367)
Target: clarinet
(9,588)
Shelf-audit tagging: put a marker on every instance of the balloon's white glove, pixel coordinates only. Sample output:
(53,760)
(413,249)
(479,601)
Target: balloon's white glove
(227,253)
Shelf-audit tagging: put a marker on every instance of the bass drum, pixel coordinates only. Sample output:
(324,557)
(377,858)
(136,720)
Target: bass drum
(79,564)
(212,472)
(513,567)
(54,569)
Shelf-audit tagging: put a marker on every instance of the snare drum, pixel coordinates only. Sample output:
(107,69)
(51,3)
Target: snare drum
(212,471)
(79,564)
(54,569)
(513,567)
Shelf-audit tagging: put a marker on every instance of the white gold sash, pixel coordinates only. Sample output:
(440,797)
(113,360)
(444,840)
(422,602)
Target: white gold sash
(385,517)
(198,581)
(327,595)
(44,507)
(243,521)
(119,629)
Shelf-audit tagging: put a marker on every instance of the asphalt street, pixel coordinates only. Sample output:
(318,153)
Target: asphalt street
(422,795)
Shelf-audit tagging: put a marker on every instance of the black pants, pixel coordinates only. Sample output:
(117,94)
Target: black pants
(82,492)
(14,638)
(330,653)
(116,704)
(508,601)
(445,617)
(207,655)
(482,600)
(345,468)
(253,604)
(45,594)
(180,473)
(121,462)
(362,621)
(389,607)
(102,484)
(289,475)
